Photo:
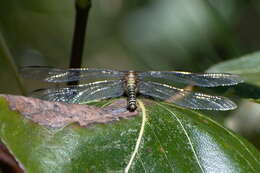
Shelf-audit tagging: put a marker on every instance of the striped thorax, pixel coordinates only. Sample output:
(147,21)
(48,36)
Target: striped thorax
(131,90)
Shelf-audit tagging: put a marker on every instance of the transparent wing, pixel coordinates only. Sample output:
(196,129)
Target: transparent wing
(48,74)
(185,98)
(197,79)
(82,93)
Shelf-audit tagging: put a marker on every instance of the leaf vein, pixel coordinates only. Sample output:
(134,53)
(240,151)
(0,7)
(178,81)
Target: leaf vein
(140,136)
(186,134)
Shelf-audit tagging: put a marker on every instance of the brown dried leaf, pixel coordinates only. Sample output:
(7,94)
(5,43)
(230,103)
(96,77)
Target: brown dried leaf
(57,114)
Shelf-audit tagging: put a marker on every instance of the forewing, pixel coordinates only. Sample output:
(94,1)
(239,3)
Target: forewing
(185,98)
(197,79)
(83,93)
(55,75)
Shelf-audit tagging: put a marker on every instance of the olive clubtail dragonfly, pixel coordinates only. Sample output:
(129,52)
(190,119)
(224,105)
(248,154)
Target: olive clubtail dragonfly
(131,84)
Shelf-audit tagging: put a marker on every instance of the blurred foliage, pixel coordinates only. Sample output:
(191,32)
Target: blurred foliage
(246,120)
(247,67)
(6,75)
(159,35)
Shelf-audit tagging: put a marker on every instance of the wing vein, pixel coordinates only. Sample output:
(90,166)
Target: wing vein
(197,79)
(185,98)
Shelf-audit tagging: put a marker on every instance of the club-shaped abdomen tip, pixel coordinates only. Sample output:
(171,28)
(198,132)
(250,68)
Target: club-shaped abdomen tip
(132,107)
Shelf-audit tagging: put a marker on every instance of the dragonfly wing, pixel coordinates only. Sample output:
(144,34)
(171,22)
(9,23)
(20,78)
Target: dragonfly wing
(49,74)
(185,98)
(82,93)
(197,79)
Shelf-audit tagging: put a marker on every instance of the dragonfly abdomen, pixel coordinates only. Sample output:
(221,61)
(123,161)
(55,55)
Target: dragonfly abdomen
(131,90)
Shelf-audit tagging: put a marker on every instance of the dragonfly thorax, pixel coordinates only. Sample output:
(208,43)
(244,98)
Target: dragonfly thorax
(131,90)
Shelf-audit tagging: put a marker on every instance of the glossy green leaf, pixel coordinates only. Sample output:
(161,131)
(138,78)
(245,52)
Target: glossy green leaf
(173,140)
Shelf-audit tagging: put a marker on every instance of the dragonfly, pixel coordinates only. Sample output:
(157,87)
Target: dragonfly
(112,83)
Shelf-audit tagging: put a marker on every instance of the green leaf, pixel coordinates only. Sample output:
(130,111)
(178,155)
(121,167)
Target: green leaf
(173,140)
(248,67)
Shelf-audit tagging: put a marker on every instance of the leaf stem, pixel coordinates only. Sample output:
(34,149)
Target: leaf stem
(6,54)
